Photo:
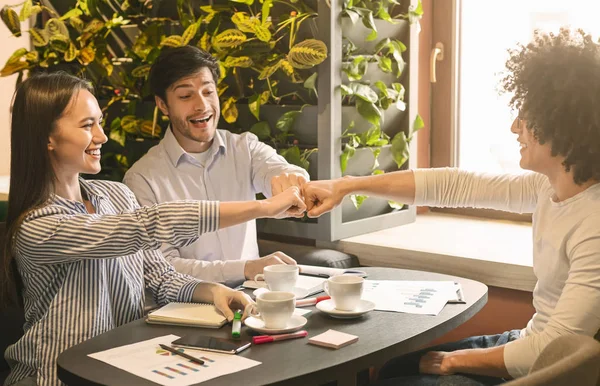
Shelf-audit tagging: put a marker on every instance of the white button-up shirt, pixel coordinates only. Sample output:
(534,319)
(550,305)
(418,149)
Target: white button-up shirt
(236,169)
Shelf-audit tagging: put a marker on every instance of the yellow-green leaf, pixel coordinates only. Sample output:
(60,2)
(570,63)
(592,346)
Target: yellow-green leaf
(117,136)
(55,26)
(221,88)
(307,54)
(25,10)
(147,128)
(17,55)
(269,70)
(94,26)
(189,33)
(59,42)
(108,66)
(204,42)
(286,67)
(129,124)
(11,68)
(141,71)
(11,19)
(222,70)
(77,23)
(172,41)
(87,55)
(71,53)
(242,21)
(230,111)
(262,33)
(75,12)
(32,56)
(238,61)
(229,38)
(38,37)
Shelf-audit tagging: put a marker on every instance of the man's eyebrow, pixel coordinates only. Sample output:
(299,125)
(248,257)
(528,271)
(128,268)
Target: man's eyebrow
(188,85)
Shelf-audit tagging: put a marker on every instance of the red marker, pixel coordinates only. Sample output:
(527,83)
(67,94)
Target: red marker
(274,338)
(311,301)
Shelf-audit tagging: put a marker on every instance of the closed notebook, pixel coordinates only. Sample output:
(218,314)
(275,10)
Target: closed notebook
(188,314)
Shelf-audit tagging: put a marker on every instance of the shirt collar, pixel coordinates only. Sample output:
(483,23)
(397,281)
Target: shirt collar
(89,189)
(175,152)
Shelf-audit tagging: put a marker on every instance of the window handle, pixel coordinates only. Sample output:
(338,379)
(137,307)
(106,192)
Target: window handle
(437,54)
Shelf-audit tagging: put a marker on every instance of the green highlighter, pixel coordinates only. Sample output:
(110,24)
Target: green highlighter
(236,328)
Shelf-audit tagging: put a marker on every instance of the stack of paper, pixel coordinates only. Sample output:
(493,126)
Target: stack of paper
(416,297)
(333,339)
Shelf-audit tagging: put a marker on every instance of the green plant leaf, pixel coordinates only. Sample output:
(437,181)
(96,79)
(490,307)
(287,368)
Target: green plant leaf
(345,156)
(25,10)
(358,200)
(59,42)
(254,105)
(369,111)
(292,155)
(376,151)
(371,36)
(141,71)
(75,12)
(385,64)
(11,19)
(262,130)
(356,69)
(287,120)
(371,136)
(363,92)
(417,125)
(17,55)
(39,37)
(118,136)
(377,172)
(311,83)
(266,10)
(352,14)
(395,205)
(400,150)
(56,26)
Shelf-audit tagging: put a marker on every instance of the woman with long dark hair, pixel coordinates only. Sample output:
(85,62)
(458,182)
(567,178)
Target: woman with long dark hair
(82,252)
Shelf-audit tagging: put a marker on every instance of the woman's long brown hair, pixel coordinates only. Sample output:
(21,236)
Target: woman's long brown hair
(38,103)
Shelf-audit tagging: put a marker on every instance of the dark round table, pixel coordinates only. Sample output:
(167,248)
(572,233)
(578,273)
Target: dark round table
(382,335)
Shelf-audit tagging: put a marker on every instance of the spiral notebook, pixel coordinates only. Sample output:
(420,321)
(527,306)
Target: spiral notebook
(188,314)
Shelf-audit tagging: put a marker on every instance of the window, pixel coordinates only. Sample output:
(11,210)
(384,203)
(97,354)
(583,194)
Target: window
(470,119)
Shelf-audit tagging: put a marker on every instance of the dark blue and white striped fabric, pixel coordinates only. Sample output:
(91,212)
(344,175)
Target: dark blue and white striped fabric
(84,274)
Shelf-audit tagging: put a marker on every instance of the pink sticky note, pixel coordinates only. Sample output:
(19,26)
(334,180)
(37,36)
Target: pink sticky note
(333,339)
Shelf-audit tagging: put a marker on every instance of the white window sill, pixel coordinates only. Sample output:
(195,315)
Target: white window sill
(497,253)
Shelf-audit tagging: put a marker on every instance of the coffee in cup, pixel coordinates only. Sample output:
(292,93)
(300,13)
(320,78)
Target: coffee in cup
(279,277)
(345,291)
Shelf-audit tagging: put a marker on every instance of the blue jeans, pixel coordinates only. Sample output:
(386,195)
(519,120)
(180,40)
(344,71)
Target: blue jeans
(404,370)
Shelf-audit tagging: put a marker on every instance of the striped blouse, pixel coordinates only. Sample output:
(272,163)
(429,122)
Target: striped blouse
(84,274)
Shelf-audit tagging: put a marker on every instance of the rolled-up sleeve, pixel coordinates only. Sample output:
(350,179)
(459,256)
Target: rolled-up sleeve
(266,164)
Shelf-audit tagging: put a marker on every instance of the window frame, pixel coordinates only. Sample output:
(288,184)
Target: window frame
(445,100)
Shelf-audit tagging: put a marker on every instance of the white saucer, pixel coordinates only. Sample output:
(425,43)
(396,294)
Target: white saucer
(299,292)
(327,307)
(295,323)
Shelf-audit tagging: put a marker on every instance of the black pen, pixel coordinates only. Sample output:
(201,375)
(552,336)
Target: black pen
(186,356)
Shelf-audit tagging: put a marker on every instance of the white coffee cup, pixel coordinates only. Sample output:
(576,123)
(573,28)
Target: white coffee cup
(275,308)
(345,291)
(280,277)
